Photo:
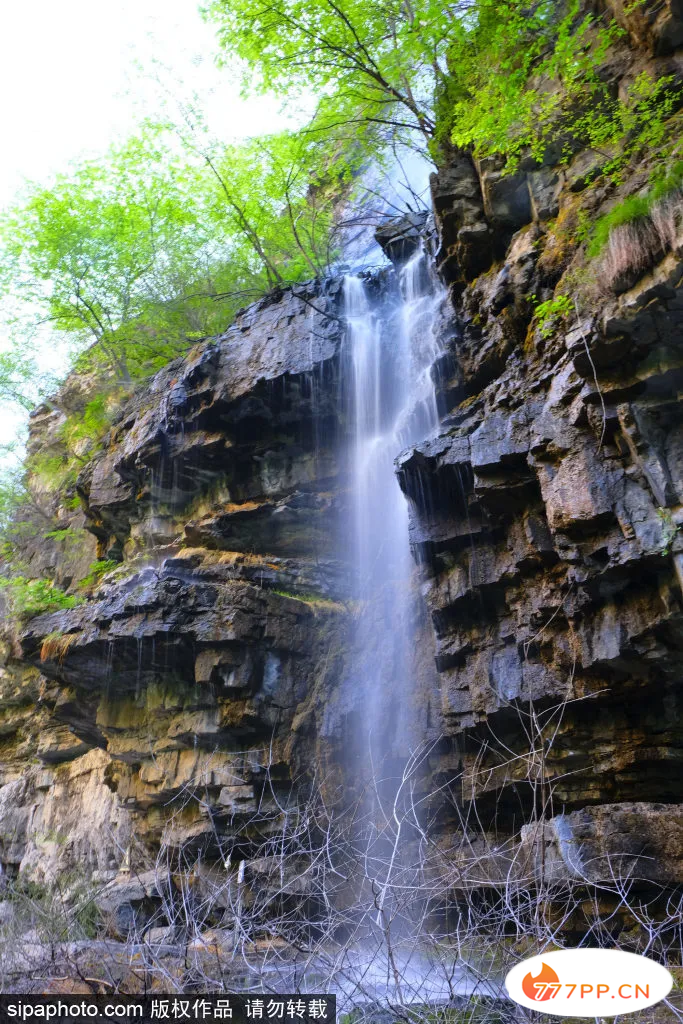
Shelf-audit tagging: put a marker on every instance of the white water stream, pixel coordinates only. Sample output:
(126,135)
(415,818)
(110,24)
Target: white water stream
(390,354)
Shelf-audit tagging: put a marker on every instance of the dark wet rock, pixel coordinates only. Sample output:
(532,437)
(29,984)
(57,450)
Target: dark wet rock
(545,518)
(545,186)
(401,237)
(465,238)
(198,662)
(506,198)
(209,417)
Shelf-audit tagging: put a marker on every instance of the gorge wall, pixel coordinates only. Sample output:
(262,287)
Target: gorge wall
(206,672)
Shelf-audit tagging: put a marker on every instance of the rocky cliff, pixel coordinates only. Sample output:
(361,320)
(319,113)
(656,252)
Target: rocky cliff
(547,513)
(198,660)
(207,671)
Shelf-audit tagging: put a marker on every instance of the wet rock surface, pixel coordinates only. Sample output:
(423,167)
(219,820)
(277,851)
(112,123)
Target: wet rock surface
(205,673)
(198,665)
(546,516)
(170,717)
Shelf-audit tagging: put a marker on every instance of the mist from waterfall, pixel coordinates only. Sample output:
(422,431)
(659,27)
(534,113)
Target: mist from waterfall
(390,350)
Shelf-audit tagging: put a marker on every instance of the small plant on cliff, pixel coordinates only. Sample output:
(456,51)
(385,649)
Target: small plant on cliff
(54,472)
(56,645)
(637,233)
(80,437)
(96,571)
(628,211)
(551,313)
(315,600)
(82,431)
(27,598)
(669,529)
(530,79)
(664,187)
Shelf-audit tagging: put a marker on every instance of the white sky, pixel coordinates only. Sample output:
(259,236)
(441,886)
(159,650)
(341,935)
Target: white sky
(70,88)
(65,78)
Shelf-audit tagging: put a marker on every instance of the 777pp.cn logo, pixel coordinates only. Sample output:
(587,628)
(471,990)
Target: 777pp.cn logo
(588,982)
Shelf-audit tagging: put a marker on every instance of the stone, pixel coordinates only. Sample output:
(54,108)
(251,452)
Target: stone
(576,493)
(507,202)
(502,437)
(545,186)
(629,840)
(214,940)
(586,165)
(662,282)
(400,237)
(161,936)
(61,744)
(107,489)
(465,238)
(238,799)
(645,439)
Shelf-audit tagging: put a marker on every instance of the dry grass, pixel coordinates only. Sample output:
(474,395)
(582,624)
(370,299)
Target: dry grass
(636,246)
(211,557)
(314,601)
(56,646)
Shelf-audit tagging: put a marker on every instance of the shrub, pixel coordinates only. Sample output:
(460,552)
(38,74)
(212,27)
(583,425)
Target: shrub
(96,570)
(315,600)
(659,204)
(27,598)
(548,314)
(636,234)
(629,212)
(56,912)
(56,646)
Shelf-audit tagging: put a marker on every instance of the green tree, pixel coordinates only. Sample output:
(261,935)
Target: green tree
(278,194)
(17,374)
(136,256)
(519,72)
(508,77)
(382,61)
(107,252)
(274,194)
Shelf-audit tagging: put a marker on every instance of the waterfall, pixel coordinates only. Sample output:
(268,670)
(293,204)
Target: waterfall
(390,350)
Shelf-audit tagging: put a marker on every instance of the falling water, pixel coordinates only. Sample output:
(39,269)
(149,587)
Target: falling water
(390,353)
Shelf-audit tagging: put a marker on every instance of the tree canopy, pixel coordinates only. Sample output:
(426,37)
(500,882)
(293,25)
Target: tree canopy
(489,76)
(381,61)
(135,256)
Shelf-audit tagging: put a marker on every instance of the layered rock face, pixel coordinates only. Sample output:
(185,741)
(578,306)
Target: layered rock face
(547,517)
(173,717)
(188,689)
(210,669)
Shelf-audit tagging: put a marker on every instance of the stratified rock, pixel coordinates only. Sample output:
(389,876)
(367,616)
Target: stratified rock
(171,716)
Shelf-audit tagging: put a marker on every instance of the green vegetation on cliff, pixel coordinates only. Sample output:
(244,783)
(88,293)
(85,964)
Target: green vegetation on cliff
(137,255)
(134,257)
(507,78)
(26,597)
